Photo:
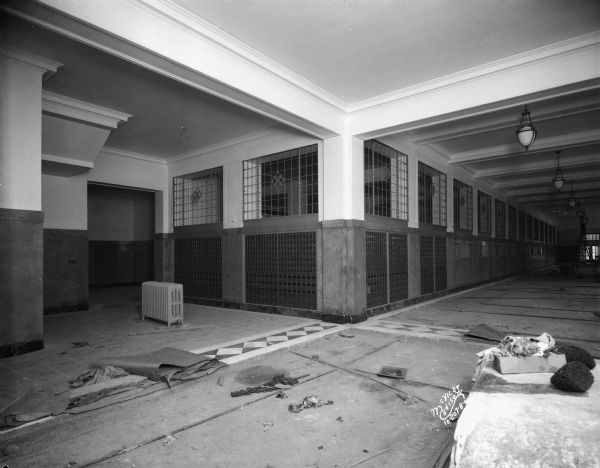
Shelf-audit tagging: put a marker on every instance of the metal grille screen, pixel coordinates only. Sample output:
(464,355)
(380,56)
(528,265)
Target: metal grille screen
(439,244)
(433,264)
(522,226)
(376,268)
(198,267)
(281,270)
(427,270)
(398,267)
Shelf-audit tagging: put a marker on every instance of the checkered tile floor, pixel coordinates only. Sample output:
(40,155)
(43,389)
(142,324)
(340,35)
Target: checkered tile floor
(244,347)
(413,328)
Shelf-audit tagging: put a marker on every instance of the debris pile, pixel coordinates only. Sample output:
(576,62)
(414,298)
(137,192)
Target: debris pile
(308,402)
(251,390)
(270,386)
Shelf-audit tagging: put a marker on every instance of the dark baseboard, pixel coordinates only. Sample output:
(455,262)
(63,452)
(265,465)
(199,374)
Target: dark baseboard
(17,349)
(279,310)
(66,308)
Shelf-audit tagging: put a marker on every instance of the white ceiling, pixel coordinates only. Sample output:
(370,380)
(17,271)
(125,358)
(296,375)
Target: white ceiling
(168,118)
(358,49)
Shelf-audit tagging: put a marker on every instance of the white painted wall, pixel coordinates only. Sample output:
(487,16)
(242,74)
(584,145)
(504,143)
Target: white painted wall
(231,157)
(64,202)
(135,171)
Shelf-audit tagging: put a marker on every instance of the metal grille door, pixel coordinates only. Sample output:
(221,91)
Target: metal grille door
(376,268)
(427,269)
(281,270)
(398,267)
(198,267)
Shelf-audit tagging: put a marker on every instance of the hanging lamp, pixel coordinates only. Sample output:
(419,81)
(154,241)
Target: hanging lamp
(526,132)
(559,179)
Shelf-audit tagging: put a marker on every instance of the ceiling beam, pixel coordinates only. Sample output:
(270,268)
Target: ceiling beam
(571,140)
(579,176)
(483,124)
(562,203)
(588,192)
(548,189)
(591,159)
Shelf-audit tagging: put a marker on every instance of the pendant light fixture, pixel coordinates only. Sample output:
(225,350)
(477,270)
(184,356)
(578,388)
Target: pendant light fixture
(559,179)
(526,132)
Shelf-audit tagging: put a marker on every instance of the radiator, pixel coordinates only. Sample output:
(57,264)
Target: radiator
(162,301)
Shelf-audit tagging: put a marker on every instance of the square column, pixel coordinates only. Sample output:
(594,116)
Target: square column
(21,236)
(343,285)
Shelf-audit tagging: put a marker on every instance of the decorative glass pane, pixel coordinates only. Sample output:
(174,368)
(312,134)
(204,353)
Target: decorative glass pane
(485,212)
(198,198)
(463,206)
(282,184)
(432,195)
(386,181)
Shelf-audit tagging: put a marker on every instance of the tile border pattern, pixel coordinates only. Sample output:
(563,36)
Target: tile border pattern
(253,346)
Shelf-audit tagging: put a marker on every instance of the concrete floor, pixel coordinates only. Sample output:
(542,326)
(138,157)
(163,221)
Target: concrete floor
(373,421)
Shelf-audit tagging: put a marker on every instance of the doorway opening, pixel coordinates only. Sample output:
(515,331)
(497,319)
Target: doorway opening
(121,229)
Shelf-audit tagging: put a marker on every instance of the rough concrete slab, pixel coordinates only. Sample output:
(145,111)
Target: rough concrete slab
(345,347)
(89,437)
(366,419)
(438,365)
(432,365)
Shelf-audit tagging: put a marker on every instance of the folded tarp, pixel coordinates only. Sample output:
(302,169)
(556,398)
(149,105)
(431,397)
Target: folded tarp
(160,363)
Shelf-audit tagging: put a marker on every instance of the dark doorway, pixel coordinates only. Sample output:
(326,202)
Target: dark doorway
(121,236)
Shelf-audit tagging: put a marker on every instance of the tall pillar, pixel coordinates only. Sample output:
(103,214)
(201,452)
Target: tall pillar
(21,218)
(232,240)
(343,285)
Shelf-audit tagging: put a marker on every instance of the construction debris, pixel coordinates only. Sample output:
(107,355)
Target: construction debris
(251,390)
(271,386)
(267,425)
(393,372)
(281,379)
(308,402)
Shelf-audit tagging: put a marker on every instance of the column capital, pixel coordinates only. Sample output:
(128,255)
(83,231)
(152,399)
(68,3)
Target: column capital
(47,66)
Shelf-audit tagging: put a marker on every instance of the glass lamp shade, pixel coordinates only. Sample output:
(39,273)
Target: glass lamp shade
(559,180)
(526,136)
(572,202)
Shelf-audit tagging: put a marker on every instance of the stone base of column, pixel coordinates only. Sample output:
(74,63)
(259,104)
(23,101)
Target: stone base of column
(343,288)
(21,286)
(65,270)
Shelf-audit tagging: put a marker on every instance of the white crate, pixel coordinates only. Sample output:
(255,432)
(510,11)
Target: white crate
(162,301)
